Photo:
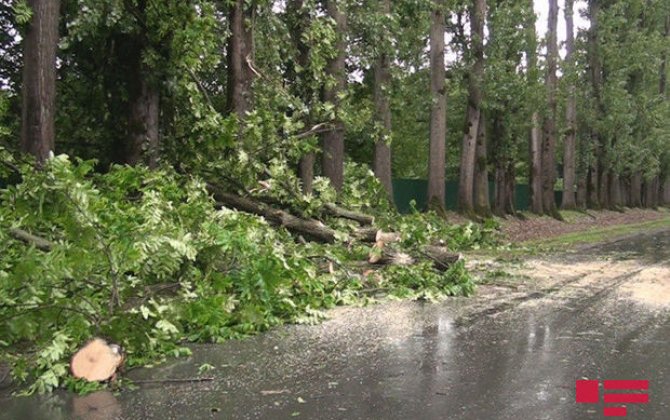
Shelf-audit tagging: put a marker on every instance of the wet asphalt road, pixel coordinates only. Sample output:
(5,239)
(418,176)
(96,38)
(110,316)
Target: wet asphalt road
(460,359)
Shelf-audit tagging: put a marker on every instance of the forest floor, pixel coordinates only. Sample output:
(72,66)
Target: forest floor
(538,322)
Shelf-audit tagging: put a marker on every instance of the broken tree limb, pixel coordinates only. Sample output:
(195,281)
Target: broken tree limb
(309,228)
(39,243)
(363,219)
(441,258)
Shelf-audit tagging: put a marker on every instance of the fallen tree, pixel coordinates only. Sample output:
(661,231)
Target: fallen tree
(309,228)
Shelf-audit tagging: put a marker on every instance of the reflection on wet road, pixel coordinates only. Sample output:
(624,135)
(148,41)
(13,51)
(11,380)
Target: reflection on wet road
(461,359)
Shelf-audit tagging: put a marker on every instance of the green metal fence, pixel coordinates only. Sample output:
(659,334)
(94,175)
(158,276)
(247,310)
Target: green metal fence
(406,190)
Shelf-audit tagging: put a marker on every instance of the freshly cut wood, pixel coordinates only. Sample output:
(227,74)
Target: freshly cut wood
(96,361)
(387,237)
(442,259)
(389,257)
(368,234)
(362,218)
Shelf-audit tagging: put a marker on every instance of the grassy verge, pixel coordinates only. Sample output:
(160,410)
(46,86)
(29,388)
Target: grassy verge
(597,235)
(569,240)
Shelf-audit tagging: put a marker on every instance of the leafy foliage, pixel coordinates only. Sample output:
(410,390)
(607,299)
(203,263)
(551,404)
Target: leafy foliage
(144,258)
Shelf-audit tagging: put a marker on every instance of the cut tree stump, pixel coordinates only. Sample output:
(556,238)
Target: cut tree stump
(96,361)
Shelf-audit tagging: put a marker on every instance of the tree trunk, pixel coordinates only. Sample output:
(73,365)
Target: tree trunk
(599,198)
(549,126)
(482,203)
(665,195)
(569,153)
(143,144)
(603,186)
(615,191)
(240,50)
(382,79)
(636,190)
(299,20)
(535,134)
(663,79)
(39,80)
(647,193)
(438,113)
(505,180)
(476,75)
(535,178)
(333,140)
(582,191)
(592,199)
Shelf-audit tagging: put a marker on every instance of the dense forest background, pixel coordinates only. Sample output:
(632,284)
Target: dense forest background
(194,170)
(305,86)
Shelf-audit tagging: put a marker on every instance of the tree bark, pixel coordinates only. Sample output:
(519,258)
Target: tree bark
(599,170)
(663,79)
(535,134)
(665,195)
(505,181)
(482,202)
(39,80)
(143,138)
(333,140)
(648,193)
(549,126)
(636,190)
(382,81)
(30,239)
(569,152)
(476,75)
(299,20)
(438,116)
(309,228)
(592,199)
(239,53)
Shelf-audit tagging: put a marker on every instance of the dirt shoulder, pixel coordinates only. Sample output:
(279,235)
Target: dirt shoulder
(630,262)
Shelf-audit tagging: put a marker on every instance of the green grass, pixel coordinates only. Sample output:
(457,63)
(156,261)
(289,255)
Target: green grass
(569,240)
(603,234)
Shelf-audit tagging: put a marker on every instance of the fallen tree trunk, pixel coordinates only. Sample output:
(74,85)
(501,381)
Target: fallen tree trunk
(311,228)
(363,219)
(23,236)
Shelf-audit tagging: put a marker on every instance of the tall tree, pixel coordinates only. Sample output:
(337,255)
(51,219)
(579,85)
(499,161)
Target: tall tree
(549,126)
(239,54)
(569,151)
(333,140)
(535,132)
(438,112)
(476,75)
(481,187)
(39,79)
(598,175)
(298,22)
(665,95)
(382,79)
